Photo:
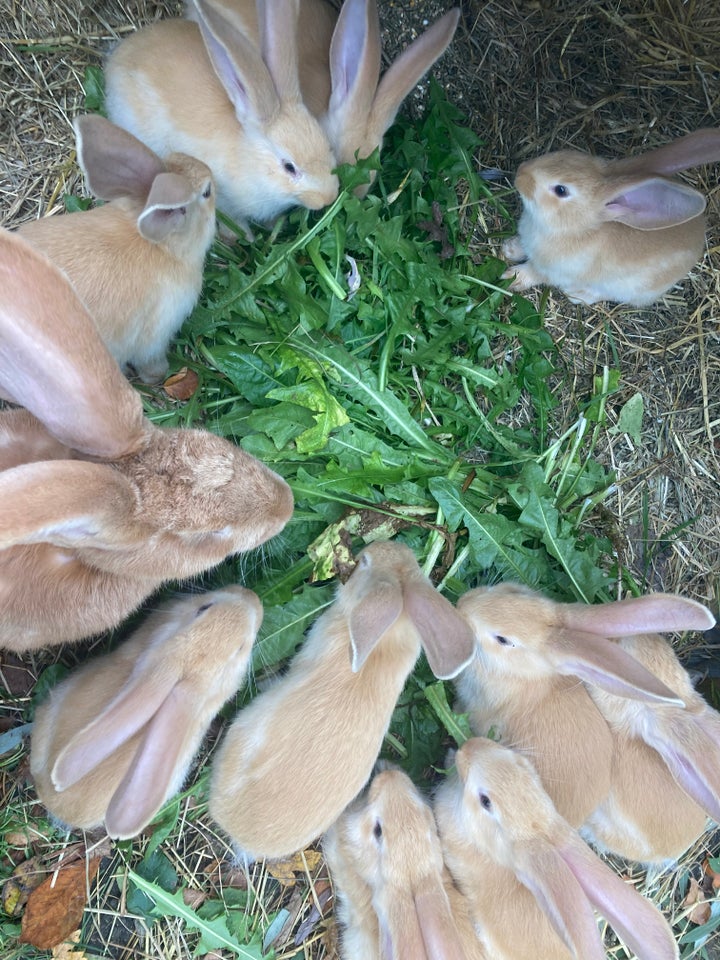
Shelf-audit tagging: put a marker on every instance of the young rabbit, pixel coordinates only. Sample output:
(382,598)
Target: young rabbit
(666,764)
(296,756)
(610,229)
(530,880)
(394,895)
(136,262)
(115,740)
(523,683)
(121,506)
(206,89)
(339,64)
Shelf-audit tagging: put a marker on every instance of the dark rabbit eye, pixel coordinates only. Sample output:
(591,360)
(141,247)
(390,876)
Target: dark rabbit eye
(377,830)
(560,190)
(202,609)
(503,641)
(290,168)
(207,192)
(485,801)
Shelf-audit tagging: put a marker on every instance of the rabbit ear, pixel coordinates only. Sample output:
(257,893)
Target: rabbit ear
(637,922)
(692,150)
(238,65)
(165,209)
(355,59)
(654,203)
(376,609)
(278,26)
(603,663)
(135,706)
(659,612)
(410,66)
(114,162)
(402,918)
(447,638)
(560,896)
(53,363)
(68,503)
(437,925)
(156,766)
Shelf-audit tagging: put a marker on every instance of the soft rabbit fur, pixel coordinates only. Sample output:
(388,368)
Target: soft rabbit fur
(396,900)
(115,740)
(523,683)
(666,764)
(120,506)
(610,229)
(339,64)
(136,262)
(530,880)
(300,752)
(206,89)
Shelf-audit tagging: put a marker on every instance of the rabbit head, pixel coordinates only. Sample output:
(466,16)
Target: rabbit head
(116,739)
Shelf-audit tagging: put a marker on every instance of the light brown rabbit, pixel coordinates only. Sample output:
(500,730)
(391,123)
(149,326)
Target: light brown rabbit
(136,262)
(299,753)
(115,740)
(207,90)
(666,764)
(339,65)
(530,880)
(610,229)
(524,682)
(121,506)
(395,898)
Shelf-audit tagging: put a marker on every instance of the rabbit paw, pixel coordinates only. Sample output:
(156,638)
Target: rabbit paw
(524,276)
(512,250)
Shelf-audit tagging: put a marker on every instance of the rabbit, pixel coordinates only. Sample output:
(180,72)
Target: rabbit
(115,740)
(531,881)
(665,777)
(524,682)
(136,262)
(620,230)
(204,88)
(394,895)
(121,506)
(339,67)
(298,754)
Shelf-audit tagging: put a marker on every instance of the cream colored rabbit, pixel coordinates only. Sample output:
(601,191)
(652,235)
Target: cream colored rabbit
(136,262)
(120,506)
(531,881)
(524,682)
(298,754)
(115,740)
(395,897)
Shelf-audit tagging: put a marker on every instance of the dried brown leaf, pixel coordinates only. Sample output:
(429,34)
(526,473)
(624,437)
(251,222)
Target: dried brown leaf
(181,385)
(285,870)
(695,898)
(25,878)
(54,909)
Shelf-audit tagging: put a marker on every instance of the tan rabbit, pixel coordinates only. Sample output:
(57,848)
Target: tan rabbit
(207,90)
(666,764)
(395,898)
(524,682)
(136,262)
(530,880)
(339,64)
(115,740)
(299,753)
(121,506)
(610,229)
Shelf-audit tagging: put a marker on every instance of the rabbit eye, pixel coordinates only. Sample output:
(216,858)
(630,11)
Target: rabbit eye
(485,801)
(377,830)
(290,168)
(202,609)
(207,192)
(503,641)
(560,190)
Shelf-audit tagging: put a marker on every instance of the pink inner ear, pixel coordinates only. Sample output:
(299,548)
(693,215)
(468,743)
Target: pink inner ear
(654,204)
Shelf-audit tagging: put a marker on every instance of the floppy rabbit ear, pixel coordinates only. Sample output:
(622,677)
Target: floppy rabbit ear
(238,65)
(165,208)
(560,897)
(692,150)
(156,767)
(355,59)
(114,162)
(654,203)
(68,503)
(447,638)
(437,925)
(638,923)
(658,612)
(407,70)
(605,664)
(53,363)
(374,611)
(135,706)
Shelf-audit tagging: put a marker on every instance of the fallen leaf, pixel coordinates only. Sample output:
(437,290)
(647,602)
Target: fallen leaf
(67,951)
(695,898)
(194,898)
(54,909)
(181,385)
(302,862)
(25,878)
